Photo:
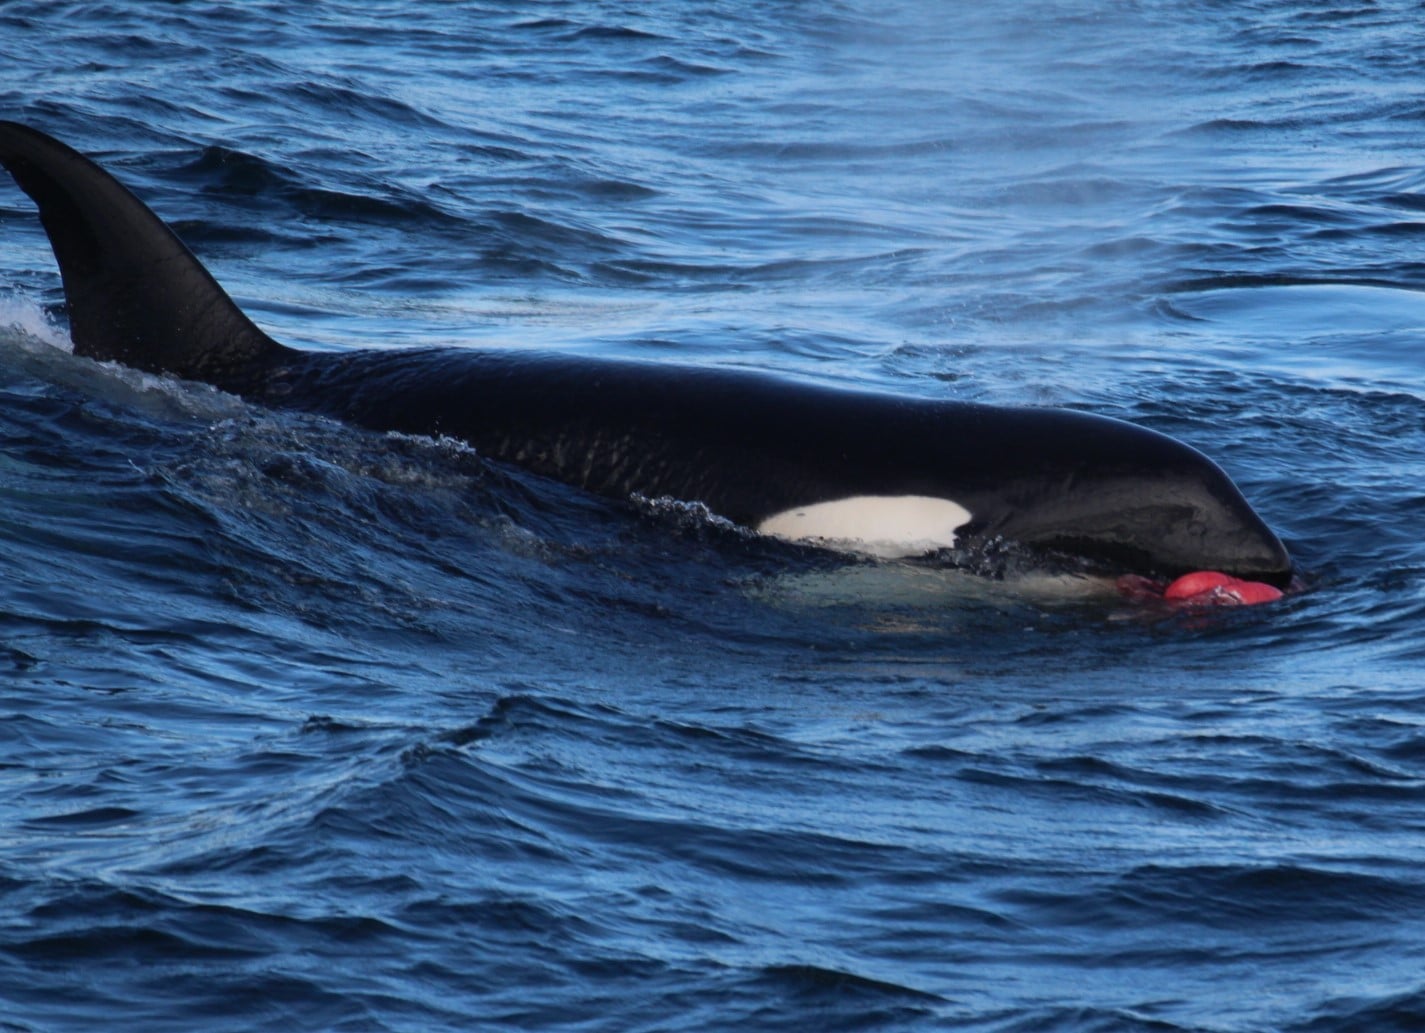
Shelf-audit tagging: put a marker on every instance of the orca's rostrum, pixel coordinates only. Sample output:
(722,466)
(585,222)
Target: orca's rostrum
(857,470)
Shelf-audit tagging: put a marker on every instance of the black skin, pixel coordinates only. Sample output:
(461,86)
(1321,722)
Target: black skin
(746,445)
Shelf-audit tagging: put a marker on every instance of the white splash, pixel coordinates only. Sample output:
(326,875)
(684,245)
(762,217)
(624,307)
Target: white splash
(22,314)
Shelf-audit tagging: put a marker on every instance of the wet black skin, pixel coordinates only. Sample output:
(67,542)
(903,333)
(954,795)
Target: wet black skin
(747,445)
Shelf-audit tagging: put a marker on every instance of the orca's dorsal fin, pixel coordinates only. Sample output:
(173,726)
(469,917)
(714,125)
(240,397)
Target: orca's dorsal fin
(136,294)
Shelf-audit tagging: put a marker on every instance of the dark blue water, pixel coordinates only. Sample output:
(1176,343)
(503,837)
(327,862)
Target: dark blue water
(310,728)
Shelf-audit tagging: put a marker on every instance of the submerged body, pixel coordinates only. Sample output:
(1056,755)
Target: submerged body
(866,471)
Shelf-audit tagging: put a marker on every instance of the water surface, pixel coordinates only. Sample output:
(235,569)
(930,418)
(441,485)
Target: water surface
(312,728)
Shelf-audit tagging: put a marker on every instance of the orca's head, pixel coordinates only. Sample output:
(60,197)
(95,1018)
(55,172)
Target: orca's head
(1142,502)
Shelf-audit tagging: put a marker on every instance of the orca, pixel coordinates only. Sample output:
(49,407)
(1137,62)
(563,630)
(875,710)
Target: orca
(856,470)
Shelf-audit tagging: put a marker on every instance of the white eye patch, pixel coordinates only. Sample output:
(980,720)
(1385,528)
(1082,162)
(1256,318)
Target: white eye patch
(888,526)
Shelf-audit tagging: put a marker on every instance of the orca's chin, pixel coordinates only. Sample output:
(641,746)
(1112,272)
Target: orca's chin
(1276,578)
(1268,562)
(1274,568)
(1115,559)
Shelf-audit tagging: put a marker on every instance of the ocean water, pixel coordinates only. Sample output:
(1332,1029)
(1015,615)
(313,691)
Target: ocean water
(311,728)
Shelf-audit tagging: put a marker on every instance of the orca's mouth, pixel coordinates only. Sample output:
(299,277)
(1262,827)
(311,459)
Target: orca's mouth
(1276,578)
(1112,559)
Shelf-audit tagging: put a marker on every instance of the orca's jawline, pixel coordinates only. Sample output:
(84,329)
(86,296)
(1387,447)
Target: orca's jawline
(749,447)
